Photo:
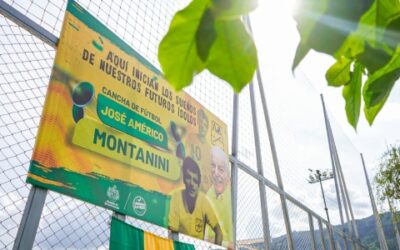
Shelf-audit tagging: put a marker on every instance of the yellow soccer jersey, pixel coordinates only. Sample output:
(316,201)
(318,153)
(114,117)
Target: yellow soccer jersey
(200,152)
(223,209)
(193,224)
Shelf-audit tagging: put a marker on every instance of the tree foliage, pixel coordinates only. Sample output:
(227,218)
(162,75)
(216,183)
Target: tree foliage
(364,38)
(387,180)
(362,35)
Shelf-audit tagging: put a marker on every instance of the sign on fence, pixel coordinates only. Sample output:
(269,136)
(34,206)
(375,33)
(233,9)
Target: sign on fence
(114,133)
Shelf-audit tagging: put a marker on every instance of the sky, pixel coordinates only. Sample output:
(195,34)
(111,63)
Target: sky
(296,111)
(367,139)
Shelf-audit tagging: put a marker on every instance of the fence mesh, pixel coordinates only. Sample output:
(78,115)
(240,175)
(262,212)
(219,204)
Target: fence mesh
(249,221)
(25,66)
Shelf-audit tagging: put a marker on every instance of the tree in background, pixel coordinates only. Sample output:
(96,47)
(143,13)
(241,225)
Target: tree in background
(387,183)
(388,178)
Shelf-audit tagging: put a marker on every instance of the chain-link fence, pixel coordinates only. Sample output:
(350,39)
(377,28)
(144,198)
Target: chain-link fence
(290,219)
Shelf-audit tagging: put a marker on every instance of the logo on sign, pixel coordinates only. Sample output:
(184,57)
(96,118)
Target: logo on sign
(113,193)
(139,205)
(113,197)
(216,134)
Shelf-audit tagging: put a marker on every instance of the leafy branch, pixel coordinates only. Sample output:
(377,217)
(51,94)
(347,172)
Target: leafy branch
(209,34)
(387,179)
(362,35)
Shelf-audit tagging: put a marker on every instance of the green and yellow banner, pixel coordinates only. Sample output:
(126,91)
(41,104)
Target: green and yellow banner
(126,237)
(115,134)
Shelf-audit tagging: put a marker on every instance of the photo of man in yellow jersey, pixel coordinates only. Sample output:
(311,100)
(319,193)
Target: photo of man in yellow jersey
(190,211)
(198,148)
(220,195)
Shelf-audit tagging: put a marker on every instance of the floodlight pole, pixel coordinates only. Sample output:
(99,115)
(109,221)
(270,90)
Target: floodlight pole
(318,176)
(323,195)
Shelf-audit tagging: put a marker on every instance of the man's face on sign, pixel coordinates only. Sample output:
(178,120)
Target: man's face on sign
(219,172)
(192,182)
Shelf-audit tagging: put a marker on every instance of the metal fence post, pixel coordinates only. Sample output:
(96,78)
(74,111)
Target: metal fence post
(234,183)
(335,175)
(263,193)
(274,154)
(37,196)
(343,190)
(342,182)
(378,224)
(330,234)
(173,236)
(321,231)
(346,193)
(26,23)
(234,169)
(341,187)
(311,225)
(119,216)
(30,219)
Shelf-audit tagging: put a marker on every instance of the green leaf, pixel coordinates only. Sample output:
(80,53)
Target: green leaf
(233,56)
(387,11)
(391,35)
(205,35)
(307,16)
(177,52)
(371,112)
(371,30)
(387,18)
(339,73)
(352,95)
(379,85)
(324,25)
(373,58)
(301,52)
(365,32)
(381,95)
(232,9)
(333,25)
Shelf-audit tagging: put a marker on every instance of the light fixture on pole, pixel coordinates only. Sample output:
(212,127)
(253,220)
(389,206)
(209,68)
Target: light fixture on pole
(320,176)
